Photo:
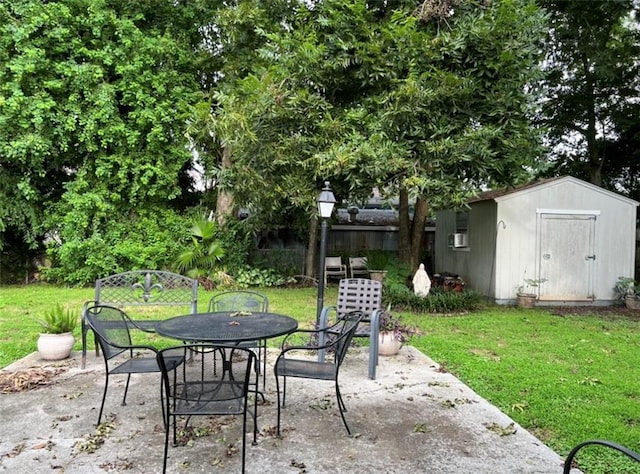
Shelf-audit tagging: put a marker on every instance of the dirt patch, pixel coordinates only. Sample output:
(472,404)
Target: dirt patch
(608,312)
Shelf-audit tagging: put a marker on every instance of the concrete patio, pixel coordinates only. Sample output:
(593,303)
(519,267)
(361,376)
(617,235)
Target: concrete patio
(412,419)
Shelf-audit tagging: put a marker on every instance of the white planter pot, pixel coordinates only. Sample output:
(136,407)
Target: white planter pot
(55,346)
(388,345)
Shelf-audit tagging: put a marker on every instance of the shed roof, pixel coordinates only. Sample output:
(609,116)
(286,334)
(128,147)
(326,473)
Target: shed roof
(495,195)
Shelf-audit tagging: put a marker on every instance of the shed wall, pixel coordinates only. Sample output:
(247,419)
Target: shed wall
(504,238)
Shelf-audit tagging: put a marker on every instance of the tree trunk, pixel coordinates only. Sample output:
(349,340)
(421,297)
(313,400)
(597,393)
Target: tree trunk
(310,261)
(404,235)
(225,202)
(410,233)
(417,231)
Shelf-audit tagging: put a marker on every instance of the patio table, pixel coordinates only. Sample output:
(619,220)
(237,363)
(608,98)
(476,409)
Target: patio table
(227,327)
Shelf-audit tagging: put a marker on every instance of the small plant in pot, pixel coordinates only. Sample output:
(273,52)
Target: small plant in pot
(377,262)
(56,339)
(628,290)
(394,332)
(526,292)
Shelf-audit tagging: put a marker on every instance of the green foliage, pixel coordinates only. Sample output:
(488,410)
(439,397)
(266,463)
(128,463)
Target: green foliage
(288,262)
(440,301)
(94,96)
(263,277)
(143,240)
(626,286)
(236,238)
(58,320)
(379,259)
(202,258)
(589,105)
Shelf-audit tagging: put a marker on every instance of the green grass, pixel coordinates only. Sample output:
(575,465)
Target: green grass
(566,379)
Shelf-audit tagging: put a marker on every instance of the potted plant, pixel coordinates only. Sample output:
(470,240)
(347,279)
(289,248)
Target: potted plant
(628,290)
(526,292)
(394,332)
(377,261)
(56,339)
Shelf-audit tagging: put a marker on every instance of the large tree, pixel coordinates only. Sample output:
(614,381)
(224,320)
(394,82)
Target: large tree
(94,97)
(591,90)
(431,102)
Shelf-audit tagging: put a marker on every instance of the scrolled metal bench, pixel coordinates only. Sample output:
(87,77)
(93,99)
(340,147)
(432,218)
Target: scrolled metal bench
(142,288)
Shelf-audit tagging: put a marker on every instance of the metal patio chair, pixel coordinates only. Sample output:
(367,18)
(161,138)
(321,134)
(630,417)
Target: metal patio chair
(358,267)
(601,442)
(334,268)
(111,327)
(202,390)
(245,300)
(337,342)
(357,294)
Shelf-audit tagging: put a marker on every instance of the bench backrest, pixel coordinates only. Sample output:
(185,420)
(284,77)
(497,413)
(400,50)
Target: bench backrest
(148,288)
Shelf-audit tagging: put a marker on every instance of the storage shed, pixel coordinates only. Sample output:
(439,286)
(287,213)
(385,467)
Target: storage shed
(571,237)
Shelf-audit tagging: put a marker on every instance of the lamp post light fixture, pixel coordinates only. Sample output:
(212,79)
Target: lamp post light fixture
(326,201)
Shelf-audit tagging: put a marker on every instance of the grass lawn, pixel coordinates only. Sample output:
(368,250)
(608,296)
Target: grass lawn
(565,378)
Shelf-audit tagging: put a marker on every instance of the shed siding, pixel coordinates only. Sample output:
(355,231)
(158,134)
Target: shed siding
(504,237)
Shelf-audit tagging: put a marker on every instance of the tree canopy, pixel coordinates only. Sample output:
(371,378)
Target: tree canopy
(431,101)
(94,98)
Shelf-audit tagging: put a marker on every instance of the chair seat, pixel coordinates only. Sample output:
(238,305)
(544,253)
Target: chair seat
(210,397)
(144,365)
(306,369)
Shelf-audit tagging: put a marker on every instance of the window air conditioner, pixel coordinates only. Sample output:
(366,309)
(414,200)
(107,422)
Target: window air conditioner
(459,240)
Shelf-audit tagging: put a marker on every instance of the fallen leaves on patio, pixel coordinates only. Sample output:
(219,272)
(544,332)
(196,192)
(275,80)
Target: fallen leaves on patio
(508,430)
(11,382)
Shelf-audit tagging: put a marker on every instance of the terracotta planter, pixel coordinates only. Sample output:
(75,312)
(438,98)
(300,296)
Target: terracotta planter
(526,300)
(377,275)
(388,345)
(55,346)
(632,302)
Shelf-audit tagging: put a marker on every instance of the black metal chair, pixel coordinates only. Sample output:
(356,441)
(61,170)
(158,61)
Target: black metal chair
(245,300)
(337,342)
(204,391)
(111,327)
(601,442)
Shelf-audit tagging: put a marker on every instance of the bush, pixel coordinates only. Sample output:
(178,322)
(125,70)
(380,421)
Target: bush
(251,276)
(401,298)
(148,240)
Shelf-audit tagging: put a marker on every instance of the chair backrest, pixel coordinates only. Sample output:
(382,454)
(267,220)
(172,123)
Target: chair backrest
(359,294)
(333,263)
(148,288)
(207,382)
(110,324)
(240,300)
(351,321)
(358,263)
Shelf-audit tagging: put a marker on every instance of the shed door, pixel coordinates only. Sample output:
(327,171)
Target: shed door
(567,258)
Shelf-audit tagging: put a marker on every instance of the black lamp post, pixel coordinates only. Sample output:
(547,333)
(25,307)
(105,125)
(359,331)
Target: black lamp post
(326,201)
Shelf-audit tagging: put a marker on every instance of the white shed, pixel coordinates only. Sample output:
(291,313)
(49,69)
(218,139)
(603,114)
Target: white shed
(573,237)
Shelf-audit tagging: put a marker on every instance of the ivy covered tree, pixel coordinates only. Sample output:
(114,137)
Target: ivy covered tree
(94,98)
(431,102)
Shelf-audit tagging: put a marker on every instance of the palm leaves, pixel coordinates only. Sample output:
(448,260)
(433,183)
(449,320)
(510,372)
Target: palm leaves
(202,258)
